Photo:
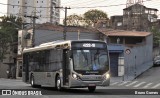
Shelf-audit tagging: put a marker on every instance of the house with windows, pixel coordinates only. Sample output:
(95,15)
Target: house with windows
(130,52)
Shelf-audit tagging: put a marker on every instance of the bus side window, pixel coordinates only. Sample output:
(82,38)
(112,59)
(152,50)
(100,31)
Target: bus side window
(33,62)
(46,64)
(55,60)
(52,60)
(59,59)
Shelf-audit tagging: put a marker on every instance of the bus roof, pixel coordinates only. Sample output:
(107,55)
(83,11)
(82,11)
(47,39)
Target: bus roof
(55,44)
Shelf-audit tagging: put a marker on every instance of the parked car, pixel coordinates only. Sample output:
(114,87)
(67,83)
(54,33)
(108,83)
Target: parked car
(156,61)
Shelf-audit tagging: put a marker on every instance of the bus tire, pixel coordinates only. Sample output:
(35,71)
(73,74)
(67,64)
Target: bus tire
(58,83)
(92,88)
(32,81)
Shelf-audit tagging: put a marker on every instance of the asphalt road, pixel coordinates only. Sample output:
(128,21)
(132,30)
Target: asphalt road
(145,82)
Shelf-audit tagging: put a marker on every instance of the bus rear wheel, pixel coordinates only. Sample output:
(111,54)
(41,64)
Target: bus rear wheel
(92,88)
(58,83)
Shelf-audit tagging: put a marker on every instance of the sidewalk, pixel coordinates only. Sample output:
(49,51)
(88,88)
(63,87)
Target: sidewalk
(116,79)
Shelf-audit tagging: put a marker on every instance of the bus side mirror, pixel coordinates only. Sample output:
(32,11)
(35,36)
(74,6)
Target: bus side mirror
(70,54)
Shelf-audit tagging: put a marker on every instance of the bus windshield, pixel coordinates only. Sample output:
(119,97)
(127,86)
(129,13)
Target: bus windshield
(90,60)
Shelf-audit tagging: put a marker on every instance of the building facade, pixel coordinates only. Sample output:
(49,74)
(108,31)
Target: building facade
(138,17)
(116,22)
(44,9)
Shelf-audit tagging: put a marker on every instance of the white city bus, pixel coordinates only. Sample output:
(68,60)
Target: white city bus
(67,64)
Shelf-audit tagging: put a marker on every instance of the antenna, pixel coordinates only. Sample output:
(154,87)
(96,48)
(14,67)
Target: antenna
(132,2)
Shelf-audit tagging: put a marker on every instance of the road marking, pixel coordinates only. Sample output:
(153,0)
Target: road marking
(114,83)
(156,85)
(132,83)
(125,82)
(147,85)
(139,84)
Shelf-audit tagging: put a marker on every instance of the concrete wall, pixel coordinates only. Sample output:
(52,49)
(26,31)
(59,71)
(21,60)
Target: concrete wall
(3,69)
(139,60)
(42,36)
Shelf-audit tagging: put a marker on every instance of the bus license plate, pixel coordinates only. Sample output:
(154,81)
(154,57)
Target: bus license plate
(92,85)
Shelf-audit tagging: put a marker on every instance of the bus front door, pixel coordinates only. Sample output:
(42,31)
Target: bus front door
(25,74)
(66,68)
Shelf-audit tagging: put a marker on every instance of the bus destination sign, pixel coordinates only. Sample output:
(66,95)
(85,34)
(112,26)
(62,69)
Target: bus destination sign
(89,45)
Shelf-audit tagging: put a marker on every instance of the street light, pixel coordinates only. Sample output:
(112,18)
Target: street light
(15,24)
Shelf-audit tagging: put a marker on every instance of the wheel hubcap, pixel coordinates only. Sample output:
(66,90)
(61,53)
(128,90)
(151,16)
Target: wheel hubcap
(32,81)
(58,83)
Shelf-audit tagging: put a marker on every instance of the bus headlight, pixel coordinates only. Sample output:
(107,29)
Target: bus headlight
(107,76)
(75,76)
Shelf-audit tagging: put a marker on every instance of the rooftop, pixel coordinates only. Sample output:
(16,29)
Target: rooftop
(52,27)
(140,5)
(111,32)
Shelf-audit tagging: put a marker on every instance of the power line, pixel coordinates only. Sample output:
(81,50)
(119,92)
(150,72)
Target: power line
(102,6)
(23,6)
(68,2)
(77,3)
(77,7)
(73,7)
(34,22)
(89,2)
(96,6)
(65,21)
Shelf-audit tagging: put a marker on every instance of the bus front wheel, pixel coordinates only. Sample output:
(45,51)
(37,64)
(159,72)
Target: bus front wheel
(33,82)
(58,83)
(92,88)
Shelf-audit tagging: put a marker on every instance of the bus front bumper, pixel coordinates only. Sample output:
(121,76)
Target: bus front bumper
(80,83)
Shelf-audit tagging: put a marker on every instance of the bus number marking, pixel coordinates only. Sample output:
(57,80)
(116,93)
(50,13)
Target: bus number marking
(89,45)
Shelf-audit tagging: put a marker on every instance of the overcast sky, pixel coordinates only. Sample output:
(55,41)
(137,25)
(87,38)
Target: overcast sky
(110,10)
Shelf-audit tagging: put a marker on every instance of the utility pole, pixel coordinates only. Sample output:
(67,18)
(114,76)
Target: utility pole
(65,21)
(34,23)
(78,34)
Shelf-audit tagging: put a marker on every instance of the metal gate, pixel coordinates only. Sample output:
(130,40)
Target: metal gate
(114,64)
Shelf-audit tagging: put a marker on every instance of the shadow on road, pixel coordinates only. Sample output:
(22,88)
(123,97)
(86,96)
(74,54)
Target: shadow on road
(72,91)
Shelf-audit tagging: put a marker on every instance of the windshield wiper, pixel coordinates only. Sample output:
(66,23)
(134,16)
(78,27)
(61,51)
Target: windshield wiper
(85,56)
(96,56)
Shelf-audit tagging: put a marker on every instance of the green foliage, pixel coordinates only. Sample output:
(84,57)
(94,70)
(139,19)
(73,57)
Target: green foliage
(3,45)
(74,20)
(156,37)
(8,33)
(11,21)
(92,16)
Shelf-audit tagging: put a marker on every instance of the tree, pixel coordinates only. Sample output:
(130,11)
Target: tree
(156,37)
(8,34)
(74,20)
(4,46)
(93,16)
